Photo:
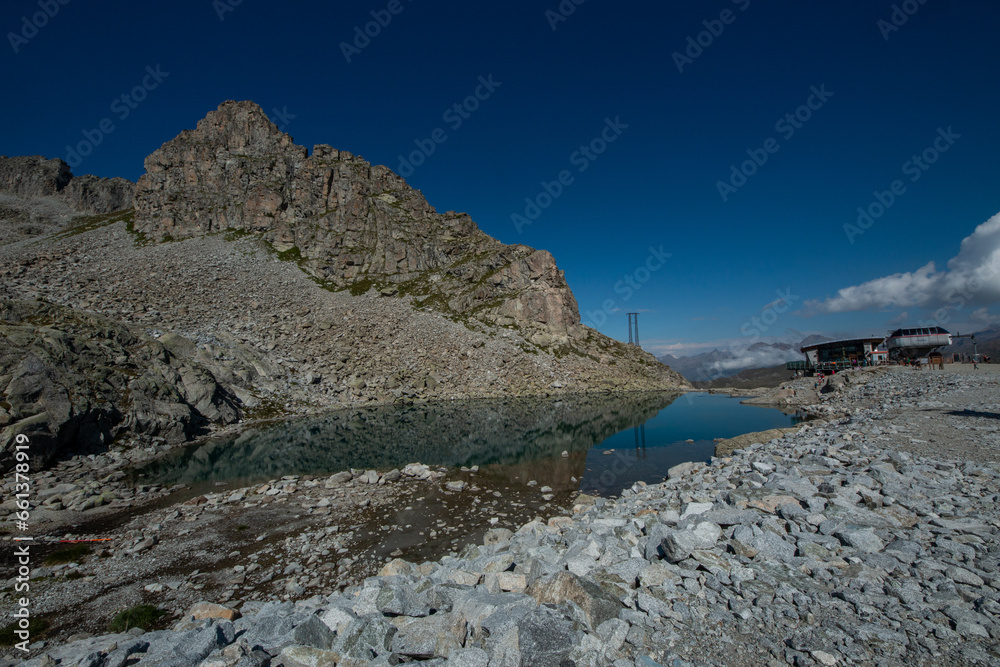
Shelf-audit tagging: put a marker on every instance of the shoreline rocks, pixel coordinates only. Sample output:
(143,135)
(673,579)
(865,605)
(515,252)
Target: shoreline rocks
(828,546)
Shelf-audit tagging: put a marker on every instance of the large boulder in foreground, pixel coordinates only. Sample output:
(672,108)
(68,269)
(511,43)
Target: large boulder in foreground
(71,381)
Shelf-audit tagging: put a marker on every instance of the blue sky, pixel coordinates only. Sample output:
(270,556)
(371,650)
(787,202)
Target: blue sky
(642,110)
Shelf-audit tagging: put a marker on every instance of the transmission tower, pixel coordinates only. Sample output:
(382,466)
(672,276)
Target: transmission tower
(633,329)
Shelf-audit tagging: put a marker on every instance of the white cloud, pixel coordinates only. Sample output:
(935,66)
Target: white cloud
(899,319)
(972,276)
(681,348)
(981,316)
(678,349)
(760,358)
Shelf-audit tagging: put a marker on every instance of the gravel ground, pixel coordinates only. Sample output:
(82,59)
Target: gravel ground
(837,544)
(950,418)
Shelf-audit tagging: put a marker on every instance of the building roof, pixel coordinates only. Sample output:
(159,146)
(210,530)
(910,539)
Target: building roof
(833,343)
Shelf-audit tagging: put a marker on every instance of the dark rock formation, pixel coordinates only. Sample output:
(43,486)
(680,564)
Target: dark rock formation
(32,176)
(92,194)
(71,381)
(349,223)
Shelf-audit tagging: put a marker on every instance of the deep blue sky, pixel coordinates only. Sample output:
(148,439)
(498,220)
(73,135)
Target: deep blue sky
(655,185)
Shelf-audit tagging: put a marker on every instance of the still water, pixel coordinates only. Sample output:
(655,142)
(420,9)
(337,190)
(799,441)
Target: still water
(610,441)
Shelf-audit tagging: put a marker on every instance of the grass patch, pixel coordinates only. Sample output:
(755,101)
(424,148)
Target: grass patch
(74,575)
(138,238)
(233,234)
(140,616)
(36,626)
(361,287)
(268,409)
(92,222)
(242,527)
(68,555)
(293,254)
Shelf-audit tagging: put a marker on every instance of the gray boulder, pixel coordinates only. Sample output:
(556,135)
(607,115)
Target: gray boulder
(679,544)
(597,604)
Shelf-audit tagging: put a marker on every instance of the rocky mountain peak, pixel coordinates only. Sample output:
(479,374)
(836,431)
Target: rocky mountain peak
(347,223)
(244,128)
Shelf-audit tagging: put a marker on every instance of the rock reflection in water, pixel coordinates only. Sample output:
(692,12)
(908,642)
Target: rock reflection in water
(683,431)
(513,436)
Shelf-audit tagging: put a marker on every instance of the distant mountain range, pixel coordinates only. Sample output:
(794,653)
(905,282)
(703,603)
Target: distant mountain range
(764,362)
(717,364)
(987,343)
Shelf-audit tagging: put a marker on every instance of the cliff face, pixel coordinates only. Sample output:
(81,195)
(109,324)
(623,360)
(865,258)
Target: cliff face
(32,176)
(349,224)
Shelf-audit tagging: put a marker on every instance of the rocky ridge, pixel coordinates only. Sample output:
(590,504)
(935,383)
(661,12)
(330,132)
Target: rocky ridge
(225,303)
(832,545)
(327,350)
(41,196)
(258,261)
(32,176)
(348,223)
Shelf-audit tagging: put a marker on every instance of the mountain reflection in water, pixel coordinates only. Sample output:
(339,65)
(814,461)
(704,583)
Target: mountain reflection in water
(483,432)
(612,441)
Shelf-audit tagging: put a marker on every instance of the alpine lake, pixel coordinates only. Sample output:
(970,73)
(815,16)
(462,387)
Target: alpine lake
(520,458)
(597,444)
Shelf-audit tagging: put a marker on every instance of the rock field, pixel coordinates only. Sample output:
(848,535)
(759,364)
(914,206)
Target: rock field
(850,541)
(161,524)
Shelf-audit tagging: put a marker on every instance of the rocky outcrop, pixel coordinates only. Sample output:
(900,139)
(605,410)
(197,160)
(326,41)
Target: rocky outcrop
(729,445)
(39,197)
(71,381)
(33,176)
(473,317)
(91,194)
(348,223)
(798,392)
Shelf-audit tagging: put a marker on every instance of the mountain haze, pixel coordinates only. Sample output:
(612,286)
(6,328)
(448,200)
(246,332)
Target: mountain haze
(717,364)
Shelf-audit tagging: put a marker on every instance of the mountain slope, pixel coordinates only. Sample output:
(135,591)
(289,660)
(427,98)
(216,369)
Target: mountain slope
(40,196)
(987,343)
(291,330)
(347,223)
(749,378)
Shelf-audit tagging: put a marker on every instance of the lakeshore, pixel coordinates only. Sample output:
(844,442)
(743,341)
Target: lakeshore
(229,519)
(867,538)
